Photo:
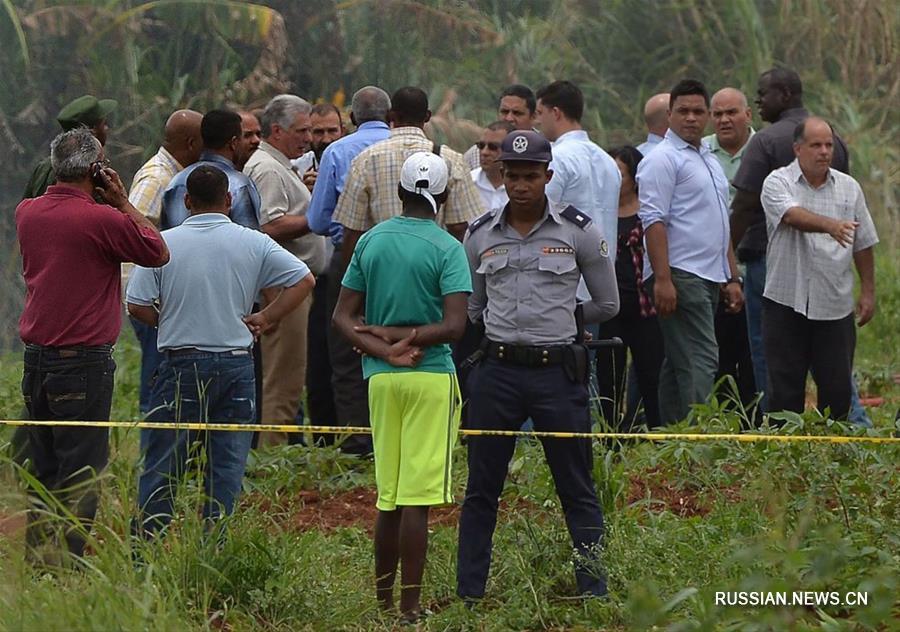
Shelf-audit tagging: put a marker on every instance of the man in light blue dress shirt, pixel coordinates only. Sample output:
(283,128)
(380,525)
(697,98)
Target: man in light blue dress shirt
(224,147)
(369,108)
(683,197)
(584,176)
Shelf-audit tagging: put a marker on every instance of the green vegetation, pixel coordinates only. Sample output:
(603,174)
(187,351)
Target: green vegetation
(684,520)
(154,57)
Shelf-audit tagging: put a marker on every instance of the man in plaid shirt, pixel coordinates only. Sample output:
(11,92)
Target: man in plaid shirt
(370,197)
(370,192)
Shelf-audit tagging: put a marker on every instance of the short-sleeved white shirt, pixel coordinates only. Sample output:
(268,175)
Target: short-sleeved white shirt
(811,272)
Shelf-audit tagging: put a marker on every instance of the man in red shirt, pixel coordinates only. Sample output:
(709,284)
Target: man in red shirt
(72,251)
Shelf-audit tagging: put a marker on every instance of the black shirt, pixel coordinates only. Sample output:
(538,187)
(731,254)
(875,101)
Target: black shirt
(626,272)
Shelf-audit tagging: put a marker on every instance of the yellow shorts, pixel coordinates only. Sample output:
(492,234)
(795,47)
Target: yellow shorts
(415,420)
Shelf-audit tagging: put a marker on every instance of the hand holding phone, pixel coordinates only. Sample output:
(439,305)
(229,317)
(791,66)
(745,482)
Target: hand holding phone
(109,186)
(97,175)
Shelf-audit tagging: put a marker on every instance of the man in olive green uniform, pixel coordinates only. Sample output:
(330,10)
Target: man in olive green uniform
(86,111)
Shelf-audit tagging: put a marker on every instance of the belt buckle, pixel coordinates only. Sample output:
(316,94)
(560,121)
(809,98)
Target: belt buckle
(68,353)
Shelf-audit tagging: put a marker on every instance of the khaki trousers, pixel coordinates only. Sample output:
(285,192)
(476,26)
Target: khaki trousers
(284,372)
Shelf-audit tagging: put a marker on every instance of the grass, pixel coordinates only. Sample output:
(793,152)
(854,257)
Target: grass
(683,520)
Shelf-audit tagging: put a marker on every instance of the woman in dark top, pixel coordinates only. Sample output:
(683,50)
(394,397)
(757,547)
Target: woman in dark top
(636,324)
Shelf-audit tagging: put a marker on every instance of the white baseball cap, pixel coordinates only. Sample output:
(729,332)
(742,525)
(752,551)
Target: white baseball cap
(425,173)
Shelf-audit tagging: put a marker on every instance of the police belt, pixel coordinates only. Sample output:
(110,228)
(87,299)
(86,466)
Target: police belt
(526,356)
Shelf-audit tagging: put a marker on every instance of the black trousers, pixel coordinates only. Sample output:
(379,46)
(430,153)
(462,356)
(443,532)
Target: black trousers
(734,352)
(502,397)
(643,338)
(351,392)
(67,384)
(795,346)
(320,409)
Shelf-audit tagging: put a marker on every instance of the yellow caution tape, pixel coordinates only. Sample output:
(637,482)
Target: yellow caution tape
(471,432)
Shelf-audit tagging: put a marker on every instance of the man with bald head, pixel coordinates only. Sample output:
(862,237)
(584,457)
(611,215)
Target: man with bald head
(181,147)
(818,227)
(731,117)
(656,117)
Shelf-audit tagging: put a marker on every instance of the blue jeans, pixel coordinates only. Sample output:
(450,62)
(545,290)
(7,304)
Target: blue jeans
(197,387)
(858,414)
(150,360)
(754,284)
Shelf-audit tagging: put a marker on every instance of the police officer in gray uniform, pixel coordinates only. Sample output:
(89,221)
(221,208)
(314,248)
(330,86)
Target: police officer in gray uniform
(526,260)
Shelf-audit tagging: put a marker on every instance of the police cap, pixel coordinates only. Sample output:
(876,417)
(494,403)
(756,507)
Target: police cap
(525,145)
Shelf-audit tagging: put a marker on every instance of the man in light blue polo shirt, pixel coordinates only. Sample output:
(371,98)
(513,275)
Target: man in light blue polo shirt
(683,198)
(205,295)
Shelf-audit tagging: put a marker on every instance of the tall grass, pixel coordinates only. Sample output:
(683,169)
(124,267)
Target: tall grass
(683,520)
(792,524)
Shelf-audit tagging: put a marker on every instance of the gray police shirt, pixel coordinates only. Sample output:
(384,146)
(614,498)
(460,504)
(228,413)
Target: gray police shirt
(524,287)
(215,271)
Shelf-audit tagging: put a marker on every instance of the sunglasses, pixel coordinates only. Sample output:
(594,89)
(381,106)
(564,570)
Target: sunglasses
(492,146)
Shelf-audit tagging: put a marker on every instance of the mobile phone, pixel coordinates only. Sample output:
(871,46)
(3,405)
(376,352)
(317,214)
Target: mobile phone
(97,175)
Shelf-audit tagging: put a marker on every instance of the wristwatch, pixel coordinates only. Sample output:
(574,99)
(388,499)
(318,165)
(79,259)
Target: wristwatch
(738,279)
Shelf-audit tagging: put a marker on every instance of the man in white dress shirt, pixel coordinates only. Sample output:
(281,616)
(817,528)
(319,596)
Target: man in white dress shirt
(488,178)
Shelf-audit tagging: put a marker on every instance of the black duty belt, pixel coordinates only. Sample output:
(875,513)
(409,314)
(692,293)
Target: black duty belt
(526,356)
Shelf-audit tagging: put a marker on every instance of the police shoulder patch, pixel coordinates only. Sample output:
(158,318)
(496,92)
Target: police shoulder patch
(582,220)
(480,221)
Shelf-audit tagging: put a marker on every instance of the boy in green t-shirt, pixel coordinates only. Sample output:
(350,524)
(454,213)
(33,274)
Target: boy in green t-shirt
(411,279)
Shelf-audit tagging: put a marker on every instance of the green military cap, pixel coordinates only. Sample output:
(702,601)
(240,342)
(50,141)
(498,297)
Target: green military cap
(87,110)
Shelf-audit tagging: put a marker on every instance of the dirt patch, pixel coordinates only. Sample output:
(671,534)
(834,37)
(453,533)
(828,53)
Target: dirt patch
(309,509)
(659,493)
(12,525)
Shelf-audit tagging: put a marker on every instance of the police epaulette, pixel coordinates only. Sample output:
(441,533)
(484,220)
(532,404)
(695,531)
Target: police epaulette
(582,220)
(480,221)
